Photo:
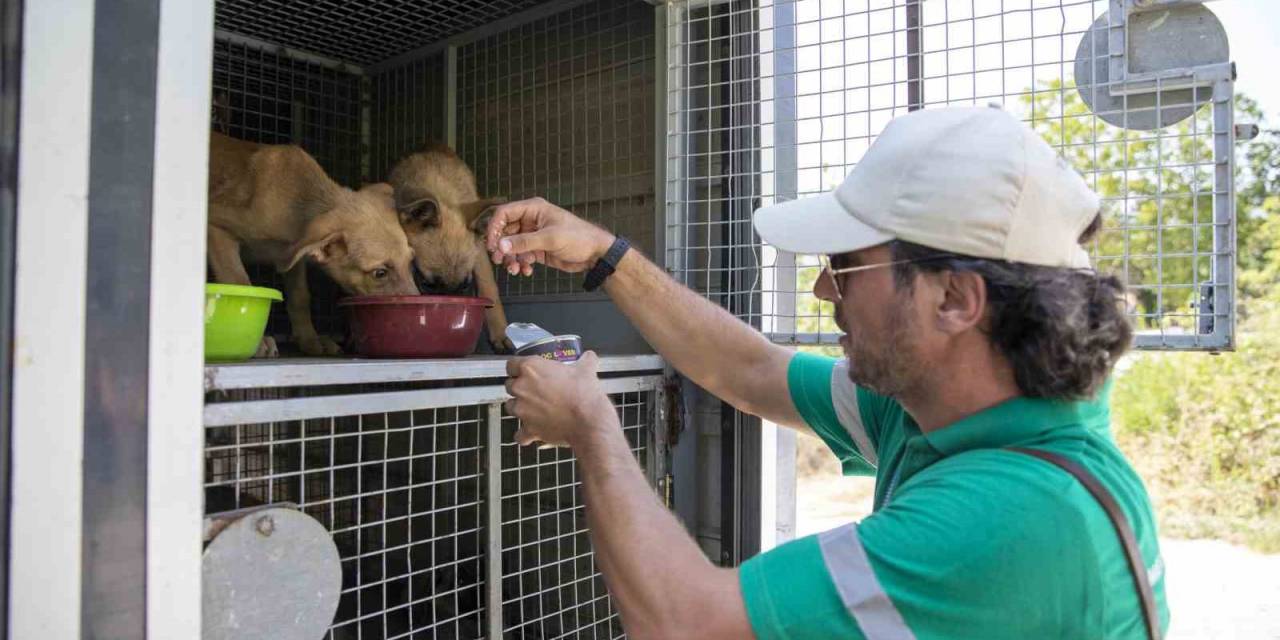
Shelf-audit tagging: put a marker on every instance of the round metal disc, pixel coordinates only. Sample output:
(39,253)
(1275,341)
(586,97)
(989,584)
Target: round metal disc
(273,573)
(1175,38)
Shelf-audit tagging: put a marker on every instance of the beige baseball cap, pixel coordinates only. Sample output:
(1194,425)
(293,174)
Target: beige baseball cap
(969,180)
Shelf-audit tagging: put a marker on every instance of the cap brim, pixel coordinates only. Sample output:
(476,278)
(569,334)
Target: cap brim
(817,225)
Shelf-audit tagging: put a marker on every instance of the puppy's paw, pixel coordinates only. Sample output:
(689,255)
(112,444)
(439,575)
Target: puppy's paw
(330,347)
(267,348)
(501,344)
(314,345)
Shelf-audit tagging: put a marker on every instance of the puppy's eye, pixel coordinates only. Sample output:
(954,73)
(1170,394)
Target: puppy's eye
(380,273)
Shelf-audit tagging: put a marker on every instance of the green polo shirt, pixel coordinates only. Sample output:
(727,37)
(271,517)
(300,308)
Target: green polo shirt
(967,540)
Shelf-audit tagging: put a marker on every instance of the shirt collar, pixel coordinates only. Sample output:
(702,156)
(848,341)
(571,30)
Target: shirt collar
(1018,421)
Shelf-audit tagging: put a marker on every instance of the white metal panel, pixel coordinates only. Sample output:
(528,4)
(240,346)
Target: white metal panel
(175,446)
(49,320)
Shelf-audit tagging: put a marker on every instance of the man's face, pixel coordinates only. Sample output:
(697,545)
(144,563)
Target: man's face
(881,322)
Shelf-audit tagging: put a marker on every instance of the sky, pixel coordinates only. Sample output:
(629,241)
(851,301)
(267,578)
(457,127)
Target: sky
(1253,29)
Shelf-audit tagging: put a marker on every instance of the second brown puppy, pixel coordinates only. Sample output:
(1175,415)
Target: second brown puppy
(444,218)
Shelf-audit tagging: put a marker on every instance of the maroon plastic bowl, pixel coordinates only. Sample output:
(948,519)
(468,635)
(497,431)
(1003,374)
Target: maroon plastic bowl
(415,326)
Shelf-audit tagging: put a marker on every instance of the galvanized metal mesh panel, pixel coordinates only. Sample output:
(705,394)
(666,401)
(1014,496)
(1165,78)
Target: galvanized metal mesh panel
(273,98)
(407,497)
(551,587)
(408,111)
(365,31)
(794,92)
(263,95)
(401,494)
(563,108)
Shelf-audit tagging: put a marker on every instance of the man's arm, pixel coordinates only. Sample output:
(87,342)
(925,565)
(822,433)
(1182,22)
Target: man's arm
(664,586)
(704,342)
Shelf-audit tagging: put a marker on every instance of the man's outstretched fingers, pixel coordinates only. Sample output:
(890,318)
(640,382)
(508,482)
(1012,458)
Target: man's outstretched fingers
(515,366)
(590,361)
(524,438)
(509,218)
(503,218)
(522,245)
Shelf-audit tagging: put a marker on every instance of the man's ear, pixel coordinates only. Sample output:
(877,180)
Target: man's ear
(479,213)
(324,249)
(964,300)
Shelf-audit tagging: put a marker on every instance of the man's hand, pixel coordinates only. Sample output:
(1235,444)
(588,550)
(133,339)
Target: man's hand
(560,404)
(522,233)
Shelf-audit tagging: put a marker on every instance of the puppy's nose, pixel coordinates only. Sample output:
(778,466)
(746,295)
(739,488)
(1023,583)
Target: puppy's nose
(424,283)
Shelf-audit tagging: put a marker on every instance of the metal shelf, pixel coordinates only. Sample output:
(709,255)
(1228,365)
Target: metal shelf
(311,372)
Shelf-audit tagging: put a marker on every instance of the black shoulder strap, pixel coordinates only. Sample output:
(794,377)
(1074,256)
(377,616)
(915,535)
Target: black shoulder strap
(1137,568)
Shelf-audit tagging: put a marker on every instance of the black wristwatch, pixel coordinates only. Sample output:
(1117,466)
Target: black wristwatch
(605,266)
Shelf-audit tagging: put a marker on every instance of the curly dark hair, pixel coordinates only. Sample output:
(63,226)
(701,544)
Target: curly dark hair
(1062,330)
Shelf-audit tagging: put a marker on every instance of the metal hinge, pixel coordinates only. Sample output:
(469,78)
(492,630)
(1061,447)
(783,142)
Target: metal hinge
(664,486)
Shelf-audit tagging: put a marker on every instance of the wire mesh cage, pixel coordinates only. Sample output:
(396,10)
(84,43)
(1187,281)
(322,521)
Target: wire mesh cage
(551,587)
(442,531)
(400,492)
(422,498)
(264,95)
(409,102)
(563,108)
(560,105)
(361,32)
(772,100)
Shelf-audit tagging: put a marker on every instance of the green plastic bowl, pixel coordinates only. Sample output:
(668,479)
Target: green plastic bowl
(235,317)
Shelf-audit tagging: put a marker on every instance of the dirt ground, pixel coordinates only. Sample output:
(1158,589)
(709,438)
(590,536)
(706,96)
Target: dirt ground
(1216,590)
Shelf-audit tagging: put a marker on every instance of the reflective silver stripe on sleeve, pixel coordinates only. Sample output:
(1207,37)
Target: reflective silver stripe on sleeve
(1156,571)
(844,395)
(860,592)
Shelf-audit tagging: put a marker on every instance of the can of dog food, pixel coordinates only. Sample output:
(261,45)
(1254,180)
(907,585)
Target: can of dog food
(531,340)
(566,348)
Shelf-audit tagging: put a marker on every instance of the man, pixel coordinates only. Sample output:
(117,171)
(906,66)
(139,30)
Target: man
(973,325)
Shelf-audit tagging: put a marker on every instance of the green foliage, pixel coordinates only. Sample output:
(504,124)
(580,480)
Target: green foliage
(1204,431)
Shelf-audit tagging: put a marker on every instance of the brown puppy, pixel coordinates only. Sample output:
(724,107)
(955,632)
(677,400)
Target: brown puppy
(444,217)
(276,203)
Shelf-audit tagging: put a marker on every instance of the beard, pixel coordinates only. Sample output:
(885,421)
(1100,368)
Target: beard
(886,366)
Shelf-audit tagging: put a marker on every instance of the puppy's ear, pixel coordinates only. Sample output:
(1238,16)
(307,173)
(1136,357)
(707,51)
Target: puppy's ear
(382,190)
(424,212)
(324,249)
(479,213)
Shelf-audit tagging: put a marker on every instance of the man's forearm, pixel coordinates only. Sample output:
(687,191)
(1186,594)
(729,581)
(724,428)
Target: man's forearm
(703,341)
(664,585)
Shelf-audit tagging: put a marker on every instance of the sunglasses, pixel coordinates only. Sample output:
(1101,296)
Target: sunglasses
(830,270)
